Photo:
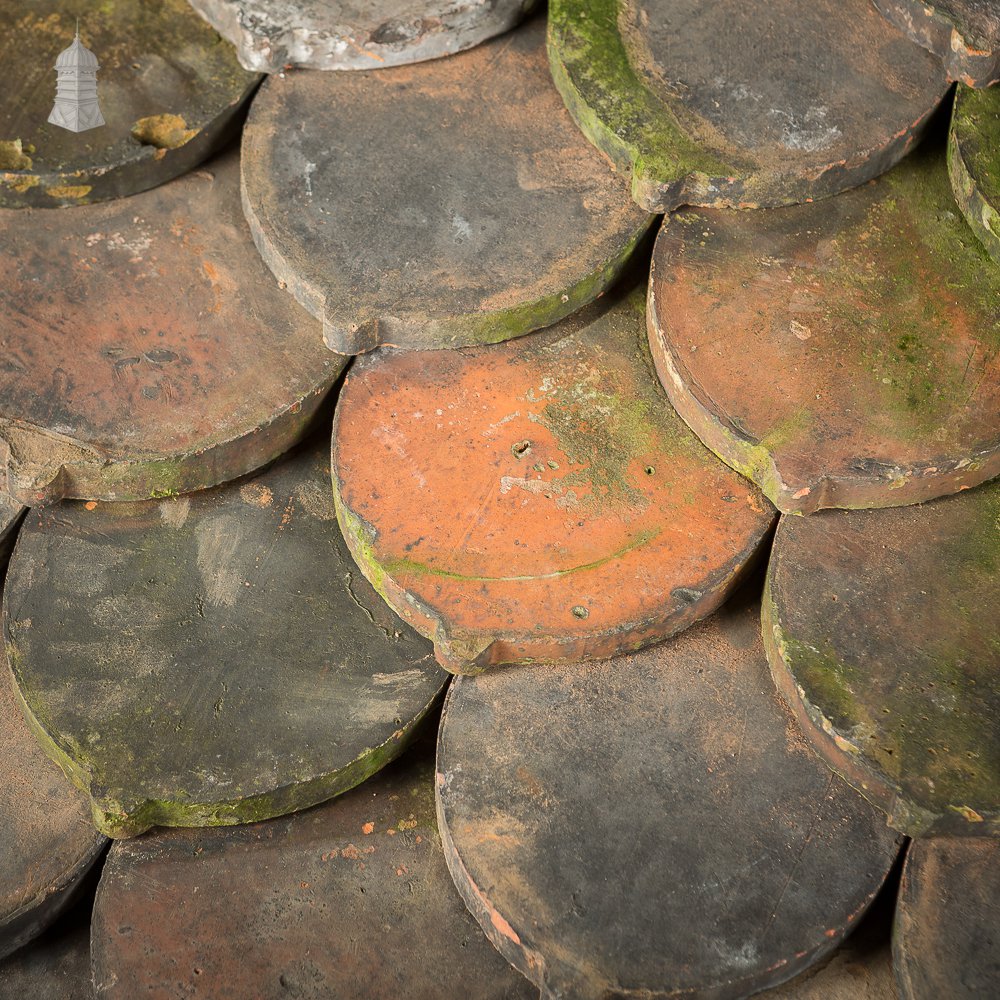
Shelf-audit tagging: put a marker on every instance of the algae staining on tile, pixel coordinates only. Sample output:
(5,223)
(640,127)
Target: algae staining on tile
(974,163)
(173,714)
(722,104)
(892,398)
(888,656)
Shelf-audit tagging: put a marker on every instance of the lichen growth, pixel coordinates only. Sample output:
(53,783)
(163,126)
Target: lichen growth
(13,156)
(20,183)
(827,683)
(167,131)
(69,192)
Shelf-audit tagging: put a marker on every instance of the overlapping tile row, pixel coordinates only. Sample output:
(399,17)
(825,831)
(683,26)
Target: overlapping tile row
(631,809)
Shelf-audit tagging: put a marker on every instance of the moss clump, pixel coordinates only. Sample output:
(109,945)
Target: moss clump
(69,192)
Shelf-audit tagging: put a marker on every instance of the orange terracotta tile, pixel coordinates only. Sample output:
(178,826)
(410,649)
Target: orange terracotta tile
(145,349)
(538,500)
(841,354)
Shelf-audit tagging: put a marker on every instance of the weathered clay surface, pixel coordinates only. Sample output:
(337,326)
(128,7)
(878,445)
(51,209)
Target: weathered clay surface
(947,937)
(860,968)
(48,843)
(10,517)
(974,162)
(355,34)
(843,354)
(164,359)
(883,631)
(441,205)
(212,659)
(156,59)
(350,900)
(963,34)
(55,966)
(741,104)
(538,500)
(653,826)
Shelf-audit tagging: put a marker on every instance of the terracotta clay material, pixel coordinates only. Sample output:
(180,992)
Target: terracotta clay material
(860,968)
(10,517)
(164,359)
(537,500)
(741,104)
(350,900)
(169,88)
(883,631)
(55,966)
(441,205)
(974,162)
(212,659)
(48,843)
(947,936)
(652,826)
(843,354)
(963,34)
(355,34)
